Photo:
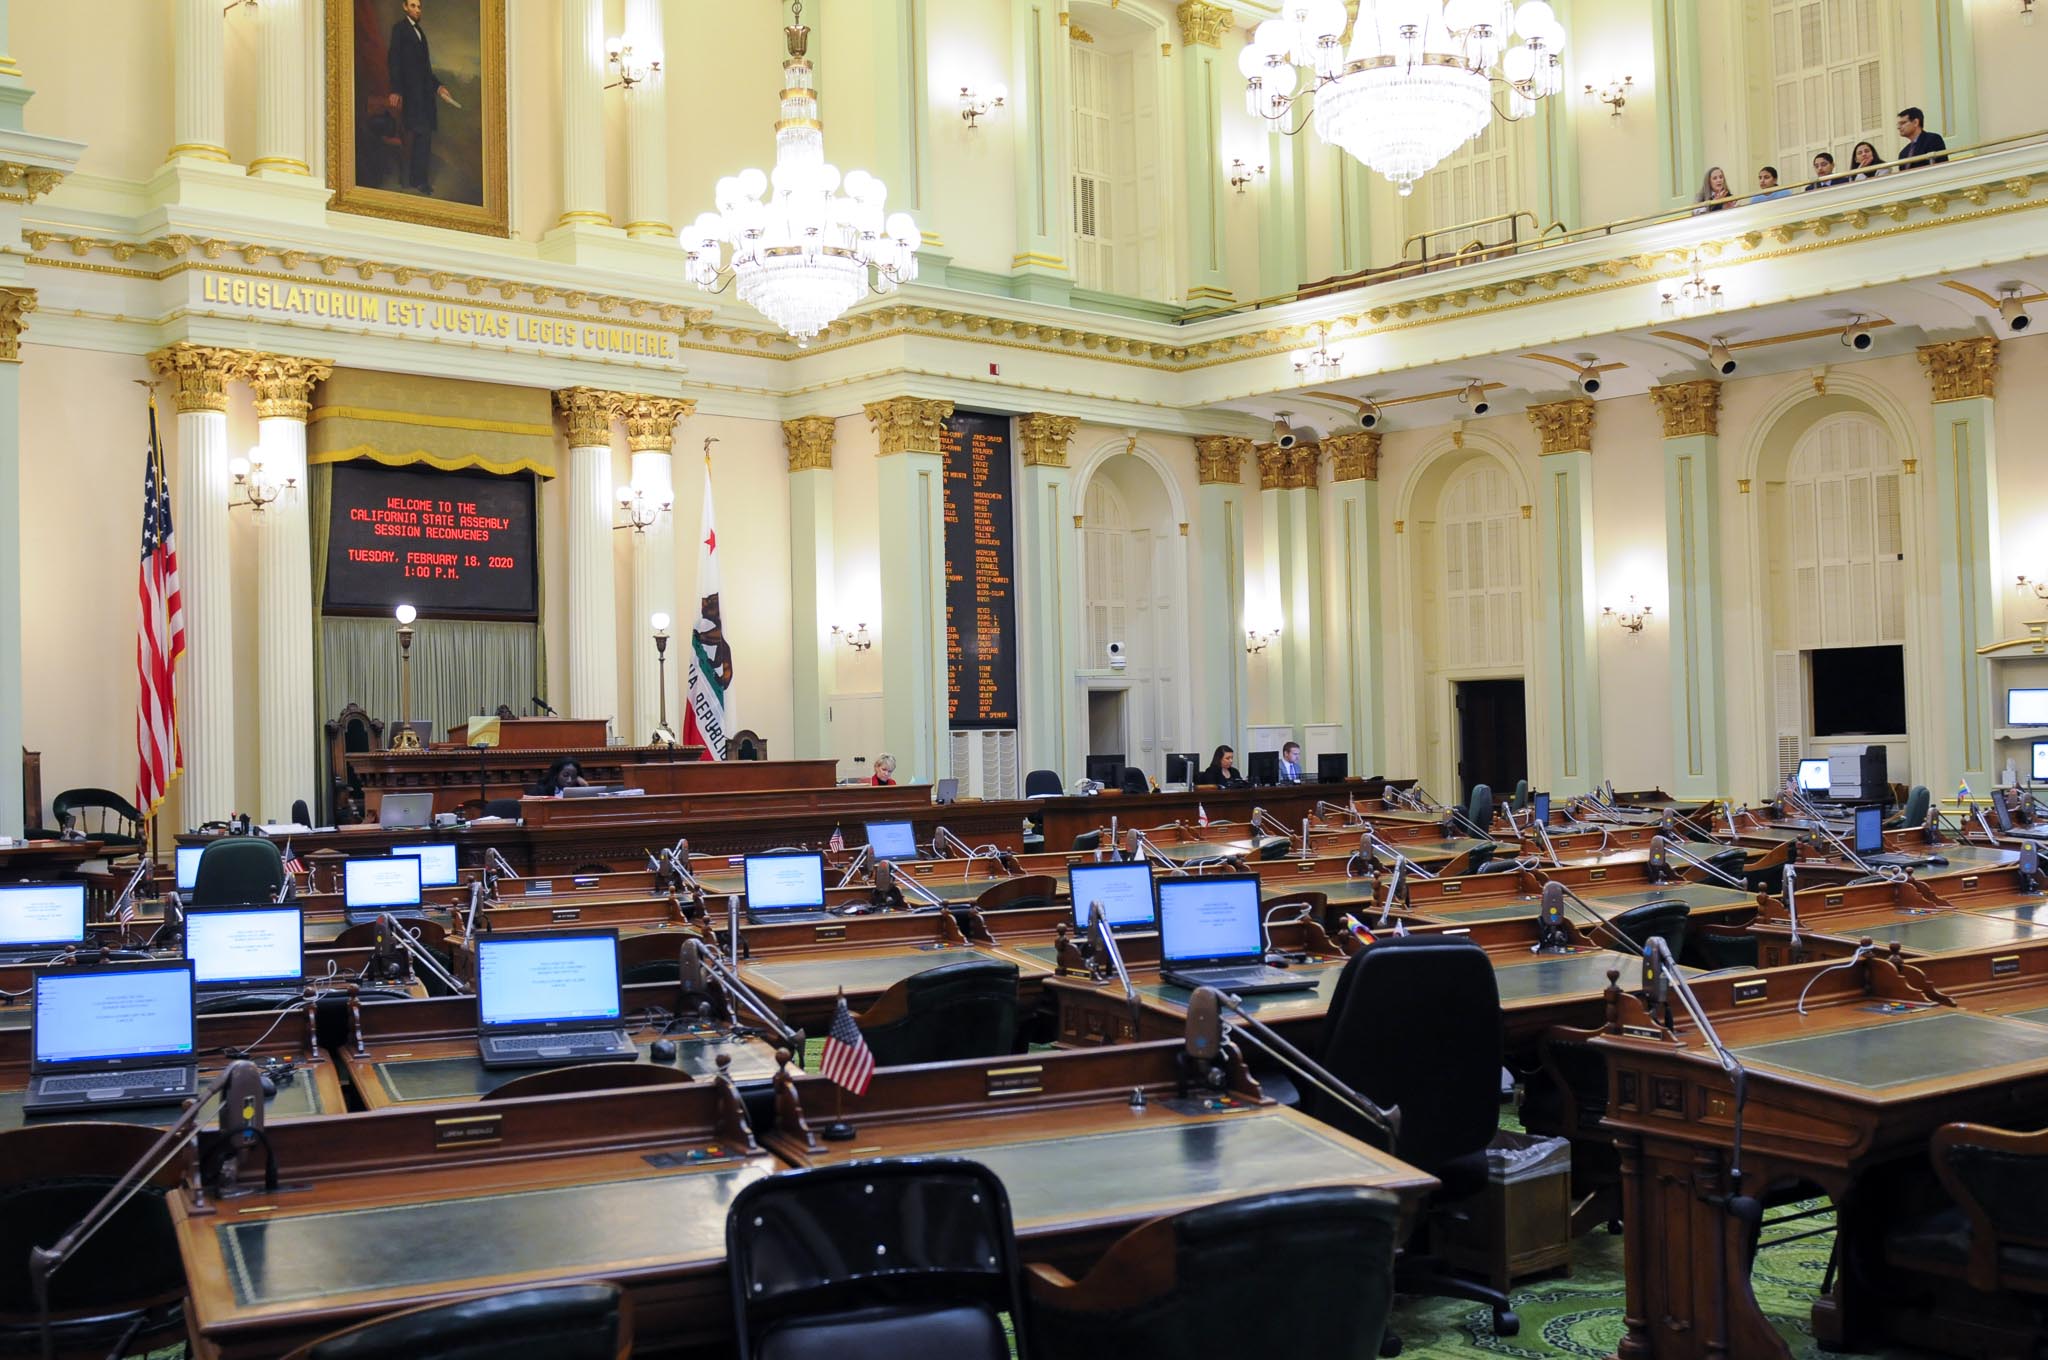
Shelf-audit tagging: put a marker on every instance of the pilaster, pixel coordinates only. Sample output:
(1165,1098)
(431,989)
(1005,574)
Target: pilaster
(647,202)
(1355,485)
(1207,82)
(1293,540)
(910,493)
(650,438)
(15,305)
(813,568)
(583,140)
(592,608)
(1049,589)
(1219,584)
(1692,537)
(1038,99)
(281,92)
(1567,641)
(1963,375)
(199,113)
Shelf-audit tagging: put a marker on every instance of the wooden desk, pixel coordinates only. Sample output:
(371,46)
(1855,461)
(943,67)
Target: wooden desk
(803,987)
(41,859)
(449,1072)
(1066,818)
(542,734)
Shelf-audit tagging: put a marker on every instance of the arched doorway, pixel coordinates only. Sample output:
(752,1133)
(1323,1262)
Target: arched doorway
(1134,592)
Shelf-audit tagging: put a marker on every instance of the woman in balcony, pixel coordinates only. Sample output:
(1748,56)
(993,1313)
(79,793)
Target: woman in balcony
(1714,194)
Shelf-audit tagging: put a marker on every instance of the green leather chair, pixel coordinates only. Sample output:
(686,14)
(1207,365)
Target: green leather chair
(566,1322)
(1521,798)
(238,869)
(1663,920)
(1479,809)
(1914,813)
(957,1010)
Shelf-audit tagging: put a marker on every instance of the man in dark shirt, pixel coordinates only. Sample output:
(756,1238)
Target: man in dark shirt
(1919,141)
(414,90)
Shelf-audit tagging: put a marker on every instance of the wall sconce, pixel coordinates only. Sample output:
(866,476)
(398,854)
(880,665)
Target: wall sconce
(1242,174)
(258,488)
(406,739)
(855,637)
(976,105)
(1632,617)
(1614,94)
(663,734)
(641,509)
(2028,586)
(1256,641)
(632,70)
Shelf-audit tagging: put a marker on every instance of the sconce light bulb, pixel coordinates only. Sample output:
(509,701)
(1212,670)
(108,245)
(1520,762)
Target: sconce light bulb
(660,622)
(406,614)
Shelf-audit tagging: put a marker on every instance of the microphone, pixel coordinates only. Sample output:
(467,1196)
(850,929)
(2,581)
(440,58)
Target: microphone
(1552,936)
(2029,867)
(542,705)
(1555,895)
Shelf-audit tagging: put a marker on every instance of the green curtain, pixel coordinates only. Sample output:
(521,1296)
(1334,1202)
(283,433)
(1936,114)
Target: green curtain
(319,502)
(461,668)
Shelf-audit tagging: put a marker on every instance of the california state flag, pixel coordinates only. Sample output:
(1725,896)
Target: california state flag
(707,710)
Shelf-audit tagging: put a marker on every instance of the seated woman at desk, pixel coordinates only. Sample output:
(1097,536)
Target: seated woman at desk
(565,773)
(1222,772)
(885,770)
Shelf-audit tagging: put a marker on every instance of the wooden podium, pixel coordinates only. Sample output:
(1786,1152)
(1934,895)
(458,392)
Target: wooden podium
(542,734)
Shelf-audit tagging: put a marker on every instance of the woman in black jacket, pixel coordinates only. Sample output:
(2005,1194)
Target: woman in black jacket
(1222,772)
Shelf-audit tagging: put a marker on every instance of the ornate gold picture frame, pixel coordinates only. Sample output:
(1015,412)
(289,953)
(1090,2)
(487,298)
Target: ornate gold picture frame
(416,111)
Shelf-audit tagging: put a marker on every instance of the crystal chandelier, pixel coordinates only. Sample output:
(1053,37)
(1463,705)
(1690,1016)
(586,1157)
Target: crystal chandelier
(1415,80)
(804,255)
(1320,364)
(1694,295)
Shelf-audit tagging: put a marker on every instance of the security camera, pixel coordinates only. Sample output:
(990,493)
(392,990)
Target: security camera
(1720,357)
(1474,396)
(1283,432)
(1117,657)
(1369,417)
(1589,379)
(1857,335)
(2012,311)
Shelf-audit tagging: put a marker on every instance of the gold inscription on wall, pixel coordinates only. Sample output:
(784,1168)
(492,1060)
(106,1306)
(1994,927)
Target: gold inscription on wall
(434,318)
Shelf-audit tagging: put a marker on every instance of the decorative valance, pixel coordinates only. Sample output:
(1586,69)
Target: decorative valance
(398,420)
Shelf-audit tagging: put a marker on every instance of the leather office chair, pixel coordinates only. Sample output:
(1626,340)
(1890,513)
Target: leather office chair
(1088,840)
(1043,784)
(875,1260)
(113,822)
(1135,780)
(591,1076)
(1521,798)
(1994,1236)
(1275,847)
(123,1291)
(567,1322)
(653,956)
(1031,892)
(236,870)
(1479,809)
(1444,1077)
(1918,803)
(1664,920)
(957,1010)
(1497,866)
(1205,1283)
(507,808)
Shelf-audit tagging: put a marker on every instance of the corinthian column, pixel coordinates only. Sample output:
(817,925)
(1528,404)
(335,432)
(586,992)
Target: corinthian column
(281,92)
(198,118)
(1692,537)
(812,594)
(583,113)
(593,594)
(647,128)
(15,304)
(1219,584)
(1355,483)
(1049,589)
(1566,641)
(1963,374)
(651,436)
(206,677)
(911,513)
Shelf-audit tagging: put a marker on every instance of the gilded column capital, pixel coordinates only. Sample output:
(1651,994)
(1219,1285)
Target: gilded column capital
(1272,466)
(1202,25)
(1046,438)
(1689,407)
(651,421)
(15,305)
(1564,426)
(1219,458)
(809,441)
(1302,467)
(1961,368)
(909,424)
(283,383)
(586,414)
(200,372)
(1354,457)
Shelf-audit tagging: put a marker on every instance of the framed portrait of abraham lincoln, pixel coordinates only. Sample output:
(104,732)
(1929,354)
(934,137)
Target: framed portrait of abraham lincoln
(416,111)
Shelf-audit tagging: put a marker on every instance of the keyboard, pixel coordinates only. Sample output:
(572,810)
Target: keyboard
(1250,979)
(91,1084)
(216,1003)
(585,1041)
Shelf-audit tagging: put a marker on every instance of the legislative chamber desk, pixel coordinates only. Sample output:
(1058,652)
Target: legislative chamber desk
(1886,1052)
(44,859)
(1982,909)
(1607,889)
(1068,817)
(390,1209)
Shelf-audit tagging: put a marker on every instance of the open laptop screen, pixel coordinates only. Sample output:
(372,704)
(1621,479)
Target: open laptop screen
(1124,890)
(437,864)
(892,840)
(1209,918)
(42,915)
(785,882)
(246,946)
(188,866)
(378,884)
(102,1015)
(1813,775)
(547,979)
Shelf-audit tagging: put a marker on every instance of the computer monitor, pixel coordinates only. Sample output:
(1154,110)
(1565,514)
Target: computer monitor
(792,882)
(380,884)
(2040,761)
(1262,767)
(42,915)
(543,978)
(437,864)
(1813,775)
(406,810)
(1208,918)
(1869,830)
(2026,708)
(188,866)
(1539,805)
(1182,767)
(1333,767)
(134,1014)
(1124,890)
(892,840)
(246,946)
(1107,771)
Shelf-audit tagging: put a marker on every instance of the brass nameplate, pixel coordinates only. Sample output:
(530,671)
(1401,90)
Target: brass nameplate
(1747,993)
(1451,886)
(923,870)
(1306,866)
(1970,882)
(1595,875)
(585,880)
(540,887)
(1642,1032)
(835,931)
(1831,900)
(2005,965)
(1014,1081)
(473,1130)
(566,914)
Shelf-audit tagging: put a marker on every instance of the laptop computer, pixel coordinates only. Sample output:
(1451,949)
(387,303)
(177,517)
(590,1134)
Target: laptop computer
(372,886)
(187,860)
(438,867)
(946,791)
(40,919)
(550,997)
(892,840)
(245,954)
(1210,935)
(406,810)
(109,1037)
(1868,842)
(786,887)
(1124,890)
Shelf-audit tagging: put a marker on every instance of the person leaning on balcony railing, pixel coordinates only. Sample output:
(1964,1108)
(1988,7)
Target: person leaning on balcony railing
(1714,194)
(1865,163)
(1767,186)
(1823,172)
(1919,141)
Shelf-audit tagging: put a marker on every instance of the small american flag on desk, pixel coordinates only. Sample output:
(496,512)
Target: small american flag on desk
(293,865)
(847,1061)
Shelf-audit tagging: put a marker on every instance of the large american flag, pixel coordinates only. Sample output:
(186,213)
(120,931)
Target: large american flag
(160,641)
(847,1061)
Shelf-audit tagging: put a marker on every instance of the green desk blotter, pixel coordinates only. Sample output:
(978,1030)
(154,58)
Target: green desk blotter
(300,1098)
(854,972)
(14,1017)
(1450,909)
(1896,1052)
(1324,974)
(1168,1165)
(1940,934)
(1338,891)
(1564,974)
(570,1229)
(2033,1017)
(1205,849)
(1432,852)
(464,1077)
(1694,895)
